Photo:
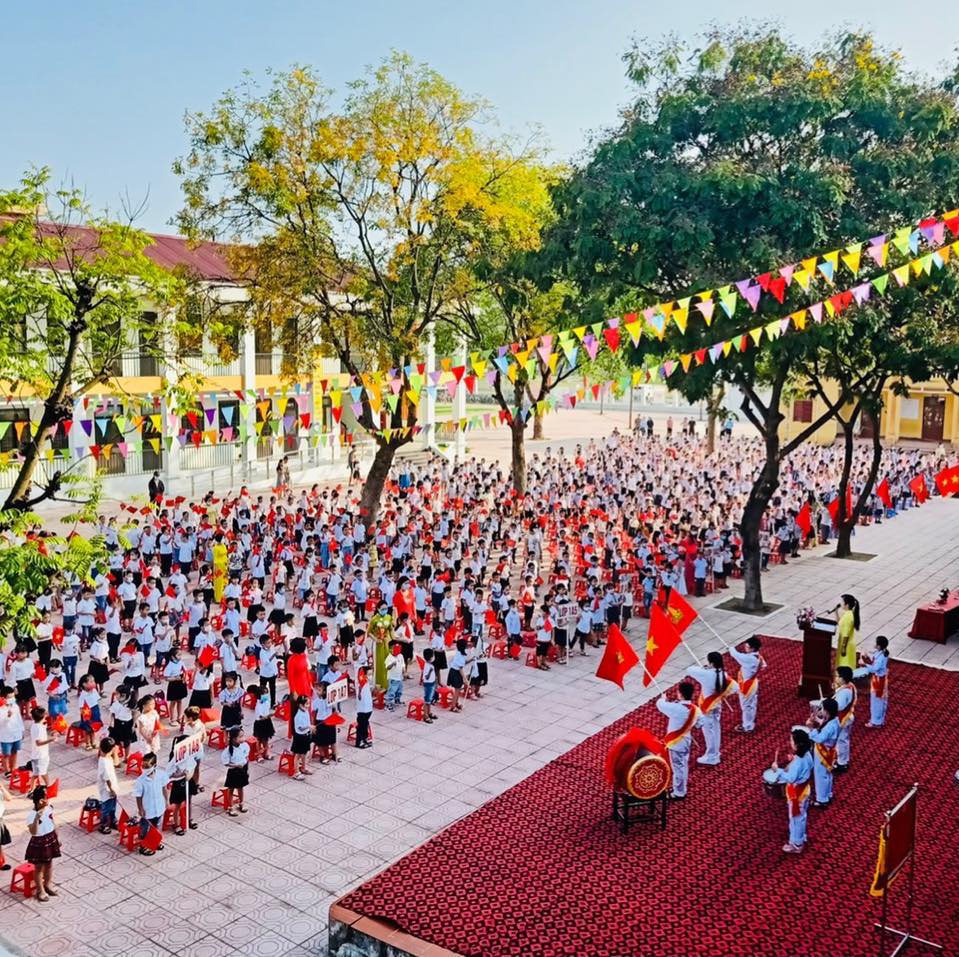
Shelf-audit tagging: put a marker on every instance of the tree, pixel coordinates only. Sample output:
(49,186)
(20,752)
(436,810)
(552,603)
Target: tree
(505,303)
(72,290)
(748,154)
(355,224)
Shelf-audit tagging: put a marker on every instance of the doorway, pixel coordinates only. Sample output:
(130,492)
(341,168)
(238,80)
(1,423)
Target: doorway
(933,418)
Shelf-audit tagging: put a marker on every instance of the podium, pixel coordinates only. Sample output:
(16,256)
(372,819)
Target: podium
(816,679)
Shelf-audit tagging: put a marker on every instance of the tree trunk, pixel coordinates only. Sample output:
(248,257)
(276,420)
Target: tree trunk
(844,543)
(372,494)
(537,425)
(55,410)
(713,405)
(762,491)
(517,430)
(845,522)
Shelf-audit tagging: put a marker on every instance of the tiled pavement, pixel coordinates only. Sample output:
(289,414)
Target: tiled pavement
(262,883)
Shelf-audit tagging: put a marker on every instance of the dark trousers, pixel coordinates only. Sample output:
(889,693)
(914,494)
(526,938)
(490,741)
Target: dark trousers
(362,727)
(271,683)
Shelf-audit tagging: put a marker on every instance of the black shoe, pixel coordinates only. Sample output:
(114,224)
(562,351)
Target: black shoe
(821,803)
(677,797)
(840,769)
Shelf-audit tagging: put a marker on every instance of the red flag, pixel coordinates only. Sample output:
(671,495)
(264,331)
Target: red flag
(804,520)
(679,612)
(618,659)
(661,642)
(882,491)
(206,657)
(947,481)
(833,507)
(333,720)
(153,838)
(124,820)
(918,488)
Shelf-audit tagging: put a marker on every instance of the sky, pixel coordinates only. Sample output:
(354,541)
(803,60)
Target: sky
(97,90)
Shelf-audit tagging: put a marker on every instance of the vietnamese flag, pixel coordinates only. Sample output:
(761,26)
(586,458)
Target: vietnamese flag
(804,520)
(918,488)
(153,838)
(618,659)
(661,641)
(833,507)
(206,657)
(679,612)
(947,481)
(882,492)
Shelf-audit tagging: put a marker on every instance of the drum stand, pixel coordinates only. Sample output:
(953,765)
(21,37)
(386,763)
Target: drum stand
(633,810)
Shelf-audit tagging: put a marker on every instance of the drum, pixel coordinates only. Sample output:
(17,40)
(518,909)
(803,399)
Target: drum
(638,764)
(773,787)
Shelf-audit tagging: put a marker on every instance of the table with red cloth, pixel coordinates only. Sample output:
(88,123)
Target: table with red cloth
(935,621)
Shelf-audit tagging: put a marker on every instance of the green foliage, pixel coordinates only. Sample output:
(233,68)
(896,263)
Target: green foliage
(750,153)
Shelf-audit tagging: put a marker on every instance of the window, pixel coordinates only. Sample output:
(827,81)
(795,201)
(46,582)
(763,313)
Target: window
(291,426)
(149,335)
(11,440)
(802,410)
(190,329)
(264,414)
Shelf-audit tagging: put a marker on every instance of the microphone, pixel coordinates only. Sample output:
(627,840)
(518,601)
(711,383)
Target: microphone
(835,608)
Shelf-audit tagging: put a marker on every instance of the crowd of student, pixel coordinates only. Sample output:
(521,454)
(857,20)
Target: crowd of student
(262,614)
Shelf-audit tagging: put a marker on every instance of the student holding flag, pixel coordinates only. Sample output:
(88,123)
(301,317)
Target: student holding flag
(716,685)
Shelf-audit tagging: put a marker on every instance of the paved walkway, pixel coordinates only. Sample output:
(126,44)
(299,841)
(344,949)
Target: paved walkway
(262,883)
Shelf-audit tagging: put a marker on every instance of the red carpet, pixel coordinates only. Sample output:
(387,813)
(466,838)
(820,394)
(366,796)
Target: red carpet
(542,870)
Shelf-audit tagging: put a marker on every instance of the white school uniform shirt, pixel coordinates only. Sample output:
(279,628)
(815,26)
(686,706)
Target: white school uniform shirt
(429,673)
(11,724)
(268,668)
(173,669)
(45,825)
(301,723)
(106,774)
(89,698)
(394,667)
(39,752)
(86,609)
(149,787)
(202,681)
(677,712)
(749,662)
(263,708)
(120,711)
(240,757)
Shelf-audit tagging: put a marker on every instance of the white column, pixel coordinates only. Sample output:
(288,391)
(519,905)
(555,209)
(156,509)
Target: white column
(427,399)
(459,403)
(248,374)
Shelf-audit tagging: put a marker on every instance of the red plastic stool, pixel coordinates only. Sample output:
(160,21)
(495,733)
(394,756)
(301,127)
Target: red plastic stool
(20,781)
(379,699)
(134,763)
(282,711)
(249,700)
(254,746)
(129,836)
(217,738)
(173,817)
(90,819)
(287,763)
(22,879)
(445,696)
(414,709)
(221,798)
(531,660)
(163,707)
(75,736)
(553,653)
(500,650)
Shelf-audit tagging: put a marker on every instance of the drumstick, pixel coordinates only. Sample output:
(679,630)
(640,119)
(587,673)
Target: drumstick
(776,758)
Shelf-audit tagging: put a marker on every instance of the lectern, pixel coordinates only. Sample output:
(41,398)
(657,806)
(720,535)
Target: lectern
(816,677)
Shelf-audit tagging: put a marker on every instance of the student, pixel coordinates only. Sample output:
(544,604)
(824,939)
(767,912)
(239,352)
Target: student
(44,845)
(11,730)
(149,789)
(176,689)
(236,760)
(148,724)
(231,698)
(21,671)
(438,647)
(429,686)
(682,715)
(455,677)
(394,677)
(324,734)
(55,685)
(121,730)
(877,667)
(715,685)
(40,739)
(750,663)
(107,785)
(796,777)
(544,637)
(302,735)
(364,708)
(89,701)
(267,666)
(845,696)
(263,729)
(97,666)
(824,734)
(202,694)
(5,837)
(514,628)
(584,625)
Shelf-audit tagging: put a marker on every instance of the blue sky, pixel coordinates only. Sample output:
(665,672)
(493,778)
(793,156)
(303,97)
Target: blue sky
(97,90)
